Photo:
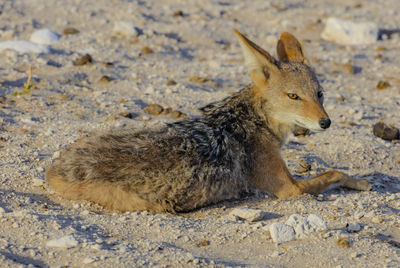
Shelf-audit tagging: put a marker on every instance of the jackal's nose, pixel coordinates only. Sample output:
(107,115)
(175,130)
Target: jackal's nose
(324,123)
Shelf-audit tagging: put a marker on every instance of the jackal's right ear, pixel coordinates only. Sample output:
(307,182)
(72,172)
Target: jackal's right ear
(259,62)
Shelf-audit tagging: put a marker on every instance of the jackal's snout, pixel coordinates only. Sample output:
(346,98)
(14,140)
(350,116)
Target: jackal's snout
(324,123)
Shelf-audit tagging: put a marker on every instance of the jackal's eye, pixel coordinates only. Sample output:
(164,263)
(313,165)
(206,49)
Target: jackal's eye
(293,96)
(320,94)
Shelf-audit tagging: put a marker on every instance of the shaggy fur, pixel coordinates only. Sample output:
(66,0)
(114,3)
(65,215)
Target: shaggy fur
(188,164)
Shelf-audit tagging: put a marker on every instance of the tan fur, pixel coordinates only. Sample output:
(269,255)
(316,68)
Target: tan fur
(234,146)
(103,193)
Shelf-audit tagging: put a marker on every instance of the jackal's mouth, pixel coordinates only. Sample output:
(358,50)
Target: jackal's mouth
(310,126)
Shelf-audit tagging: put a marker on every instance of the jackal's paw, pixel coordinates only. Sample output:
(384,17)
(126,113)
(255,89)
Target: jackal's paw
(363,185)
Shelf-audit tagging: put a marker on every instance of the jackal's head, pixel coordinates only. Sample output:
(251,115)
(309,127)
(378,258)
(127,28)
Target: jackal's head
(288,87)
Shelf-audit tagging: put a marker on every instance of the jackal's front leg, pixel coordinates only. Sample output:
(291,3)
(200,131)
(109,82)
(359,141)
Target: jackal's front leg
(271,175)
(332,179)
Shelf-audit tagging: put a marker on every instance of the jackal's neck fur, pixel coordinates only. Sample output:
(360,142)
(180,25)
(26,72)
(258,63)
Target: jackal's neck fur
(245,115)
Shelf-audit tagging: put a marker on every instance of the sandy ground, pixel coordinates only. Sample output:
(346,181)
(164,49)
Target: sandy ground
(67,102)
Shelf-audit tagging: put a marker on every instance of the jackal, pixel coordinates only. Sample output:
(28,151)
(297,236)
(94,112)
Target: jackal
(232,147)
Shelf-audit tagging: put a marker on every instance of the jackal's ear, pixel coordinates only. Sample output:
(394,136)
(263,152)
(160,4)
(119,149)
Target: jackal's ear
(259,62)
(290,49)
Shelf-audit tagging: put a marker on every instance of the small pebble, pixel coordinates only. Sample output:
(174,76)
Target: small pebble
(353,227)
(70,30)
(154,109)
(63,242)
(382,85)
(44,37)
(84,60)
(343,242)
(105,79)
(171,82)
(178,115)
(146,50)
(386,132)
(248,214)
(178,13)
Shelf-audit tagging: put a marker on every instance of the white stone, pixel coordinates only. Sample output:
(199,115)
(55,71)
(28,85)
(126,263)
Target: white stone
(353,227)
(317,222)
(303,228)
(281,232)
(23,46)
(67,241)
(126,28)
(350,33)
(44,37)
(2,210)
(293,220)
(248,214)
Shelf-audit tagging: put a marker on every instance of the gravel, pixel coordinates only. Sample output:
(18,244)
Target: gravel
(66,102)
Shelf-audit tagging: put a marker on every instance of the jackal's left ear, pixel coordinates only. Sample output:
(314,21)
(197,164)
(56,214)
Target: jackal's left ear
(290,50)
(259,62)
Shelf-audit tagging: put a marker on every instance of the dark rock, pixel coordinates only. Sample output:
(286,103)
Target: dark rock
(386,132)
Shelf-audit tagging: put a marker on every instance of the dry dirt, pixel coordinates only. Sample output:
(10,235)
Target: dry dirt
(186,57)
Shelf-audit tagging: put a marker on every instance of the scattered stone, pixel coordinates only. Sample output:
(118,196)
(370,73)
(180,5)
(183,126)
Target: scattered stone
(154,109)
(317,223)
(248,214)
(105,79)
(382,85)
(203,243)
(349,68)
(281,232)
(63,242)
(343,242)
(2,211)
(304,166)
(70,30)
(353,227)
(350,33)
(108,64)
(178,115)
(178,13)
(127,29)
(85,59)
(23,47)
(44,37)
(171,82)
(146,50)
(198,79)
(301,131)
(386,132)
